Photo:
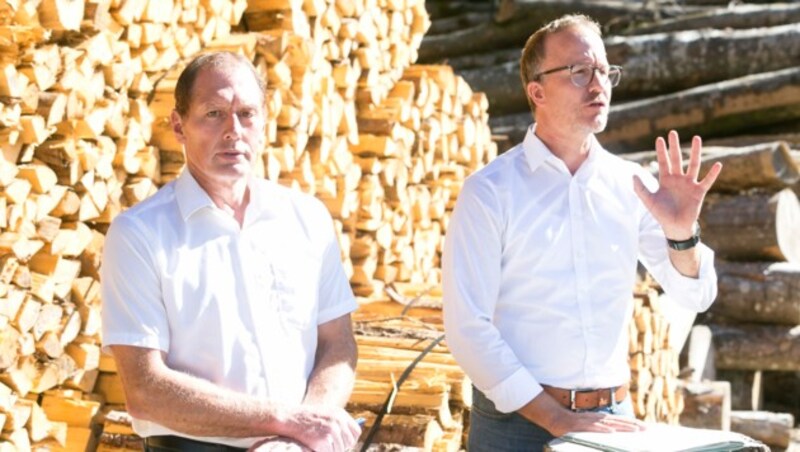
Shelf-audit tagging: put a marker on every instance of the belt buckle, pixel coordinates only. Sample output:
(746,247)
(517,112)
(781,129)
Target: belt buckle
(572,399)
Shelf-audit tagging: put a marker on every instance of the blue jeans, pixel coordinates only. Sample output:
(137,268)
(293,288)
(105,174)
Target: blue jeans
(493,431)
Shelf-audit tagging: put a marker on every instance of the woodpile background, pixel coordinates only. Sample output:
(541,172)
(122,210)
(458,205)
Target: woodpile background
(86,87)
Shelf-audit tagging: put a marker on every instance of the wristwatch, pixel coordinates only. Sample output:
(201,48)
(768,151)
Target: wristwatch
(689,243)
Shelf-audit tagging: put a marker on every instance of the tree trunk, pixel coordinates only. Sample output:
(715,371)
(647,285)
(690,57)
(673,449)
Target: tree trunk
(772,429)
(765,165)
(731,16)
(736,105)
(757,226)
(455,23)
(759,292)
(707,405)
(662,63)
(524,18)
(757,347)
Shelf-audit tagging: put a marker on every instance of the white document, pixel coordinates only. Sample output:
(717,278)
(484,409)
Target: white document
(661,438)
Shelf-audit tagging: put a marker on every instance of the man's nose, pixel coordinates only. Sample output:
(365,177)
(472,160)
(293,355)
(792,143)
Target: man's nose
(233,127)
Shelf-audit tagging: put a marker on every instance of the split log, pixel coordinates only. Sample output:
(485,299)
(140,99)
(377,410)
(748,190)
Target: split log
(757,347)
(420,431)
(759,226)
(772,429)
(759,292)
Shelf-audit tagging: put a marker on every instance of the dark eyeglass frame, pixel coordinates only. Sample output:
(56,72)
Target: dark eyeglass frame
(571,67)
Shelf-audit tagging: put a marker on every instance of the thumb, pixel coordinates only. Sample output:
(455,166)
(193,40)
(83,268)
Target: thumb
(642,192)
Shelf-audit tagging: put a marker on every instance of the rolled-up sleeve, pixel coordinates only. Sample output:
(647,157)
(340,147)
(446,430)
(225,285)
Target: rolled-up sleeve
(471,273)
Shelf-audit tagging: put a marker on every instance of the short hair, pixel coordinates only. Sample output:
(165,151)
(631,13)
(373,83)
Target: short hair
(225,60)
(533,53)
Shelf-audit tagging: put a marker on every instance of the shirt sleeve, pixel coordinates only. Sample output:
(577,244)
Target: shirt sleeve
(335,295)
(471,273)
(695,294)
(133,311)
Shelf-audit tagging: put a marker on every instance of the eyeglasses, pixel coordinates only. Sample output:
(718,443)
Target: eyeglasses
(583,74)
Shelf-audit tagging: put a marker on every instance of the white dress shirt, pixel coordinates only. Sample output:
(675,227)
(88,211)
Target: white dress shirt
(238,307)
(539,268)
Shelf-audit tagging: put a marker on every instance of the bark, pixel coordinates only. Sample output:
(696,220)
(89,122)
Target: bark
(459,22)
(772,429)
(757,347)
(759,292)
(735,17)
(792,139)
(662,63)
(756,226)
(765,165)
(768,165)
(734,106)
(479,60)
(740,104)
(523,20)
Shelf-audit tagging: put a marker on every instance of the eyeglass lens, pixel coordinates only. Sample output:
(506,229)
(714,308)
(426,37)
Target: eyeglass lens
(582,74)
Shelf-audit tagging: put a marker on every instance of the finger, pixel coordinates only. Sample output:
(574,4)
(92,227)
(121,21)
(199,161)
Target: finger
(711,177)
(694,158)
(661,157)
(675,157)
(624,424)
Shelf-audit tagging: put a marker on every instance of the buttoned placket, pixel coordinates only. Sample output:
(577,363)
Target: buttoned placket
(579,254)
(260,294)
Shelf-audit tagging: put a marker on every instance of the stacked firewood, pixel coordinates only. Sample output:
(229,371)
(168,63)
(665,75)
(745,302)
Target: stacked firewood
(655,392)
(85,94)
(75,127)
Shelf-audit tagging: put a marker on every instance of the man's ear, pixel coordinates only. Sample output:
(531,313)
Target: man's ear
(535,92)
(177,127)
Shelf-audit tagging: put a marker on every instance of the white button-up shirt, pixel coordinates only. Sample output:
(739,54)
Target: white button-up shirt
(539,268)
(238,307)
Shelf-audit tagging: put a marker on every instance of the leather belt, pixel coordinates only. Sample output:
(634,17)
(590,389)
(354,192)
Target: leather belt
(587,399)
(180,444)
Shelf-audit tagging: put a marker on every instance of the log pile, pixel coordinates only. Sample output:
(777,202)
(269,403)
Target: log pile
(682,65)
(655,390)
(751,220)
(85,91)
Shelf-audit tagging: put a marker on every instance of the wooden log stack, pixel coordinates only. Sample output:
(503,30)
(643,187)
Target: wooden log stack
(655,390)
(683,65)
(85,93)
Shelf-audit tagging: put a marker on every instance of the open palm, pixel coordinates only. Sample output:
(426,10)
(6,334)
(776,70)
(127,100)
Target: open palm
(677,202)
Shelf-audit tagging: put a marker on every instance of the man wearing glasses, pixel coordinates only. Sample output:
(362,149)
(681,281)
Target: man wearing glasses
(542,248)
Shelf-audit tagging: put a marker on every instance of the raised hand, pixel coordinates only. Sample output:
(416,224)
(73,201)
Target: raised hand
(677,202)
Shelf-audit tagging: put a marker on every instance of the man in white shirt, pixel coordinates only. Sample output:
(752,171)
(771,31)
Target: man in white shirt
(542,248)
(225,303)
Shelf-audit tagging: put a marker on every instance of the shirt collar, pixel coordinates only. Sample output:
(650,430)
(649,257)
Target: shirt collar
(537,153)
(190,195)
